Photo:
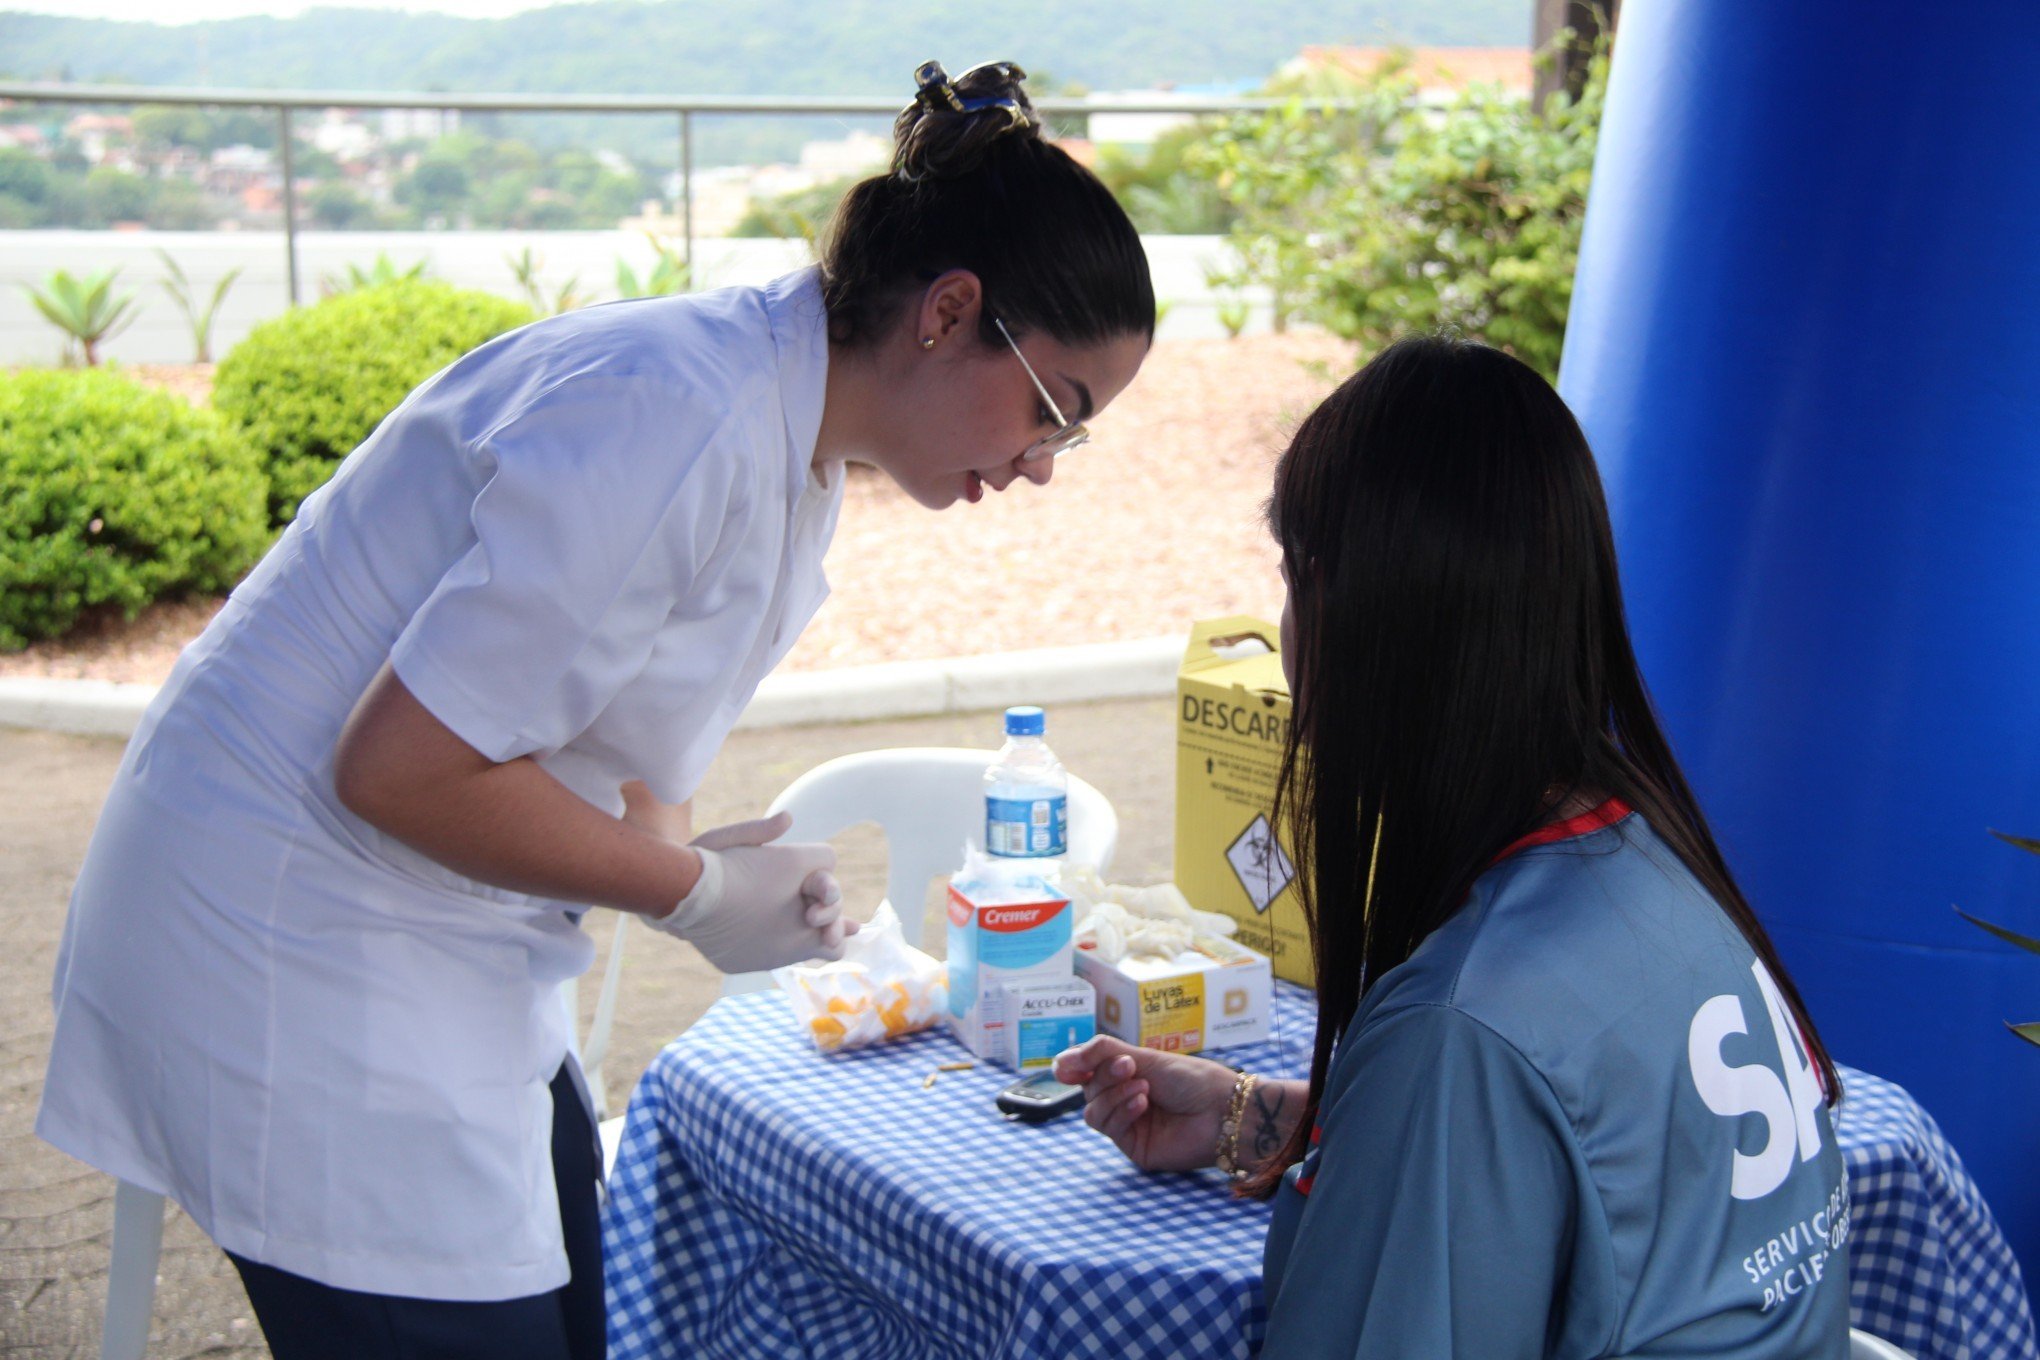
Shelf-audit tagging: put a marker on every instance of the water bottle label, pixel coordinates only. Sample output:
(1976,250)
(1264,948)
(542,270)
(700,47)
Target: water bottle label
(1019,828)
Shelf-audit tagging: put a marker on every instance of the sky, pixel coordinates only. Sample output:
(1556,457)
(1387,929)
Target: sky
(191,11)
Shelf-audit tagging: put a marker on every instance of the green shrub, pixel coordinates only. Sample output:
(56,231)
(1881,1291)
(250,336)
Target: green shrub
(1393,215)
(313,383)
(112,495)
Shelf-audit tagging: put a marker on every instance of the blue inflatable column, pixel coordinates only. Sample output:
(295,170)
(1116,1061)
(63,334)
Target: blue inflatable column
(1805,341)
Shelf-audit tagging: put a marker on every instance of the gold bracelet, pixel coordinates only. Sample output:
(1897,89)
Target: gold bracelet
(1229,1127)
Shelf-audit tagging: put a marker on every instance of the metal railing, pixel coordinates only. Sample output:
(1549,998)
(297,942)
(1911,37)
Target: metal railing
(685,108)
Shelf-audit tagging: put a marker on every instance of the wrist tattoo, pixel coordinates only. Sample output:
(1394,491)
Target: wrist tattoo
(1268,1099)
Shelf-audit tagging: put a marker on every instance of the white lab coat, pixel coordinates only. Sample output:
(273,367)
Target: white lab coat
(585,542)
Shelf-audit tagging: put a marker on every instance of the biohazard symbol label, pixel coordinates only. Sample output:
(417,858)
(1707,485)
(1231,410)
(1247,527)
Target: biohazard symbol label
(1260,865)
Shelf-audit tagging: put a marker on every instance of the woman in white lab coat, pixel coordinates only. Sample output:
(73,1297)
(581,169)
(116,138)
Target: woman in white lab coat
(309,982)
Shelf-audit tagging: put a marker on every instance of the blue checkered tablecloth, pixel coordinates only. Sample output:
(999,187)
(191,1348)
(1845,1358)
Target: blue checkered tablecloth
(1928,1269)
(768,1202)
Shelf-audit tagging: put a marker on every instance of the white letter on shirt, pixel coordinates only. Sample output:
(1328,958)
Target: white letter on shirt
(1736,1091)
(1800,1080)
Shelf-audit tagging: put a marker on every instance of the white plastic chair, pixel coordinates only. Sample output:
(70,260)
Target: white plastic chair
(927,800)
(1863,1346)
(593,1049)
(131,1277)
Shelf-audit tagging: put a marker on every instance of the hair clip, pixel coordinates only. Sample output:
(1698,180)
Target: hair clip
(935,88)
(1009,75)
(1011,105)
(1005,70)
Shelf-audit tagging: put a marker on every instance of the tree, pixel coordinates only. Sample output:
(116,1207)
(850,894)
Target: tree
(310,163)
(339,207)
(800,215)
(1406,216)
(24,177)
(437,186)
(113,195)
(242,127)
(575,173)
(180,205)
(166,125)
(1159,191)
(553,214)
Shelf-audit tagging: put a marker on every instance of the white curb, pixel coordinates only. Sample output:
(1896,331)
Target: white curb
(895,689)
(92,707)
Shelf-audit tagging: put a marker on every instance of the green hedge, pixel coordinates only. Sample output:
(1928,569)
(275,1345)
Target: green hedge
(313,383)
(1394,215)
(113,494)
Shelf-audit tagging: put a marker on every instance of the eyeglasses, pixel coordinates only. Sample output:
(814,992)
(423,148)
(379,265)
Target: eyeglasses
(1071,433)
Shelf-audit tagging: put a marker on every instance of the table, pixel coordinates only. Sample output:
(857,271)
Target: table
(766,1201)
(1928,1269)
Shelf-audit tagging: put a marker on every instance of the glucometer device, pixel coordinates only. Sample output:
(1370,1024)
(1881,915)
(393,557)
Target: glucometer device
(1036,1098)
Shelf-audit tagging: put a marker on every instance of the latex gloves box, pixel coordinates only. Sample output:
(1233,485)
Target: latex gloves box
(1007,925)
(1212,995)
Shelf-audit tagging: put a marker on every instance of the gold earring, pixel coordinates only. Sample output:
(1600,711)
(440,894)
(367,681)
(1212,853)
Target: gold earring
(927,342)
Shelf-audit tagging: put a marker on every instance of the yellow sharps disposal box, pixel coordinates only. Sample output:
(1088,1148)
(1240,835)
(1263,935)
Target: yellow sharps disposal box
(1232,716)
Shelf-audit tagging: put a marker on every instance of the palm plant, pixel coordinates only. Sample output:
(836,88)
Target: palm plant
(526,267)
(670,274)
(384,271)
(2029,1032)
(1232,314)
(200,319)
(85,310)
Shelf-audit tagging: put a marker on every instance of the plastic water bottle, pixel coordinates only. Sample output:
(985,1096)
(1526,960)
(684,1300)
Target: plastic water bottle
(1027,796)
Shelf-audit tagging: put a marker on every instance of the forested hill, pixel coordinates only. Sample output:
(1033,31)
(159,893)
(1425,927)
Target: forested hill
(757,47)
(746,47)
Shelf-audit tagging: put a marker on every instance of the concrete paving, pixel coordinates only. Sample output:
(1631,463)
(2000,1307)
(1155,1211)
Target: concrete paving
(56,1216)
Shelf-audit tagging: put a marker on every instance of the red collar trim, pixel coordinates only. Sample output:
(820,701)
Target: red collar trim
(1586,824)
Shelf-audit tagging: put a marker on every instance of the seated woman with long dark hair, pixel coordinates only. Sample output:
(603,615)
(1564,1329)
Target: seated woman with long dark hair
(1565,1101)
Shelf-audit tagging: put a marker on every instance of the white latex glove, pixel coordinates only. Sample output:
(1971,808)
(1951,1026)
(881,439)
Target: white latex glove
(759,905)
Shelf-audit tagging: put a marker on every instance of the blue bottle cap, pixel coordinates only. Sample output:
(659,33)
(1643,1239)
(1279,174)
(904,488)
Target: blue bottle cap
(1025,721)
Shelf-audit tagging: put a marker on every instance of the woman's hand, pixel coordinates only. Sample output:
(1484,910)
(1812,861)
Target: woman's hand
(760,903)
(1162,1109)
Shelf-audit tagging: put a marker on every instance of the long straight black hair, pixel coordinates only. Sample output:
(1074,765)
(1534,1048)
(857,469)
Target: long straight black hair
(1462,666)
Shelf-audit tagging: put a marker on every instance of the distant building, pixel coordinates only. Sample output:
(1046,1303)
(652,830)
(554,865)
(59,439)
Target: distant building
(858,154)
(342,136)
(176,162)
(722,195)
(26,136)
(233,170)
(1440,72)
(242,159)
(1082,150)
(404,125)
(97,134)
(1145,129)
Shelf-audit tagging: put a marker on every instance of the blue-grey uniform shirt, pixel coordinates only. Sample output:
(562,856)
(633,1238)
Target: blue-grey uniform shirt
(1578,1121)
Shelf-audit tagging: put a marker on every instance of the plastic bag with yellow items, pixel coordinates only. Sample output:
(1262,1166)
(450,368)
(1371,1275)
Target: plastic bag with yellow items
(882,988)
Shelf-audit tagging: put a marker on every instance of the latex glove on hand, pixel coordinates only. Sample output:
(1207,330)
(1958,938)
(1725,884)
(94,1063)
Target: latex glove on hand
(760,905)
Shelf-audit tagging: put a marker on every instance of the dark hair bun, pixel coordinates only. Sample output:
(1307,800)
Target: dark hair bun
(952,124)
